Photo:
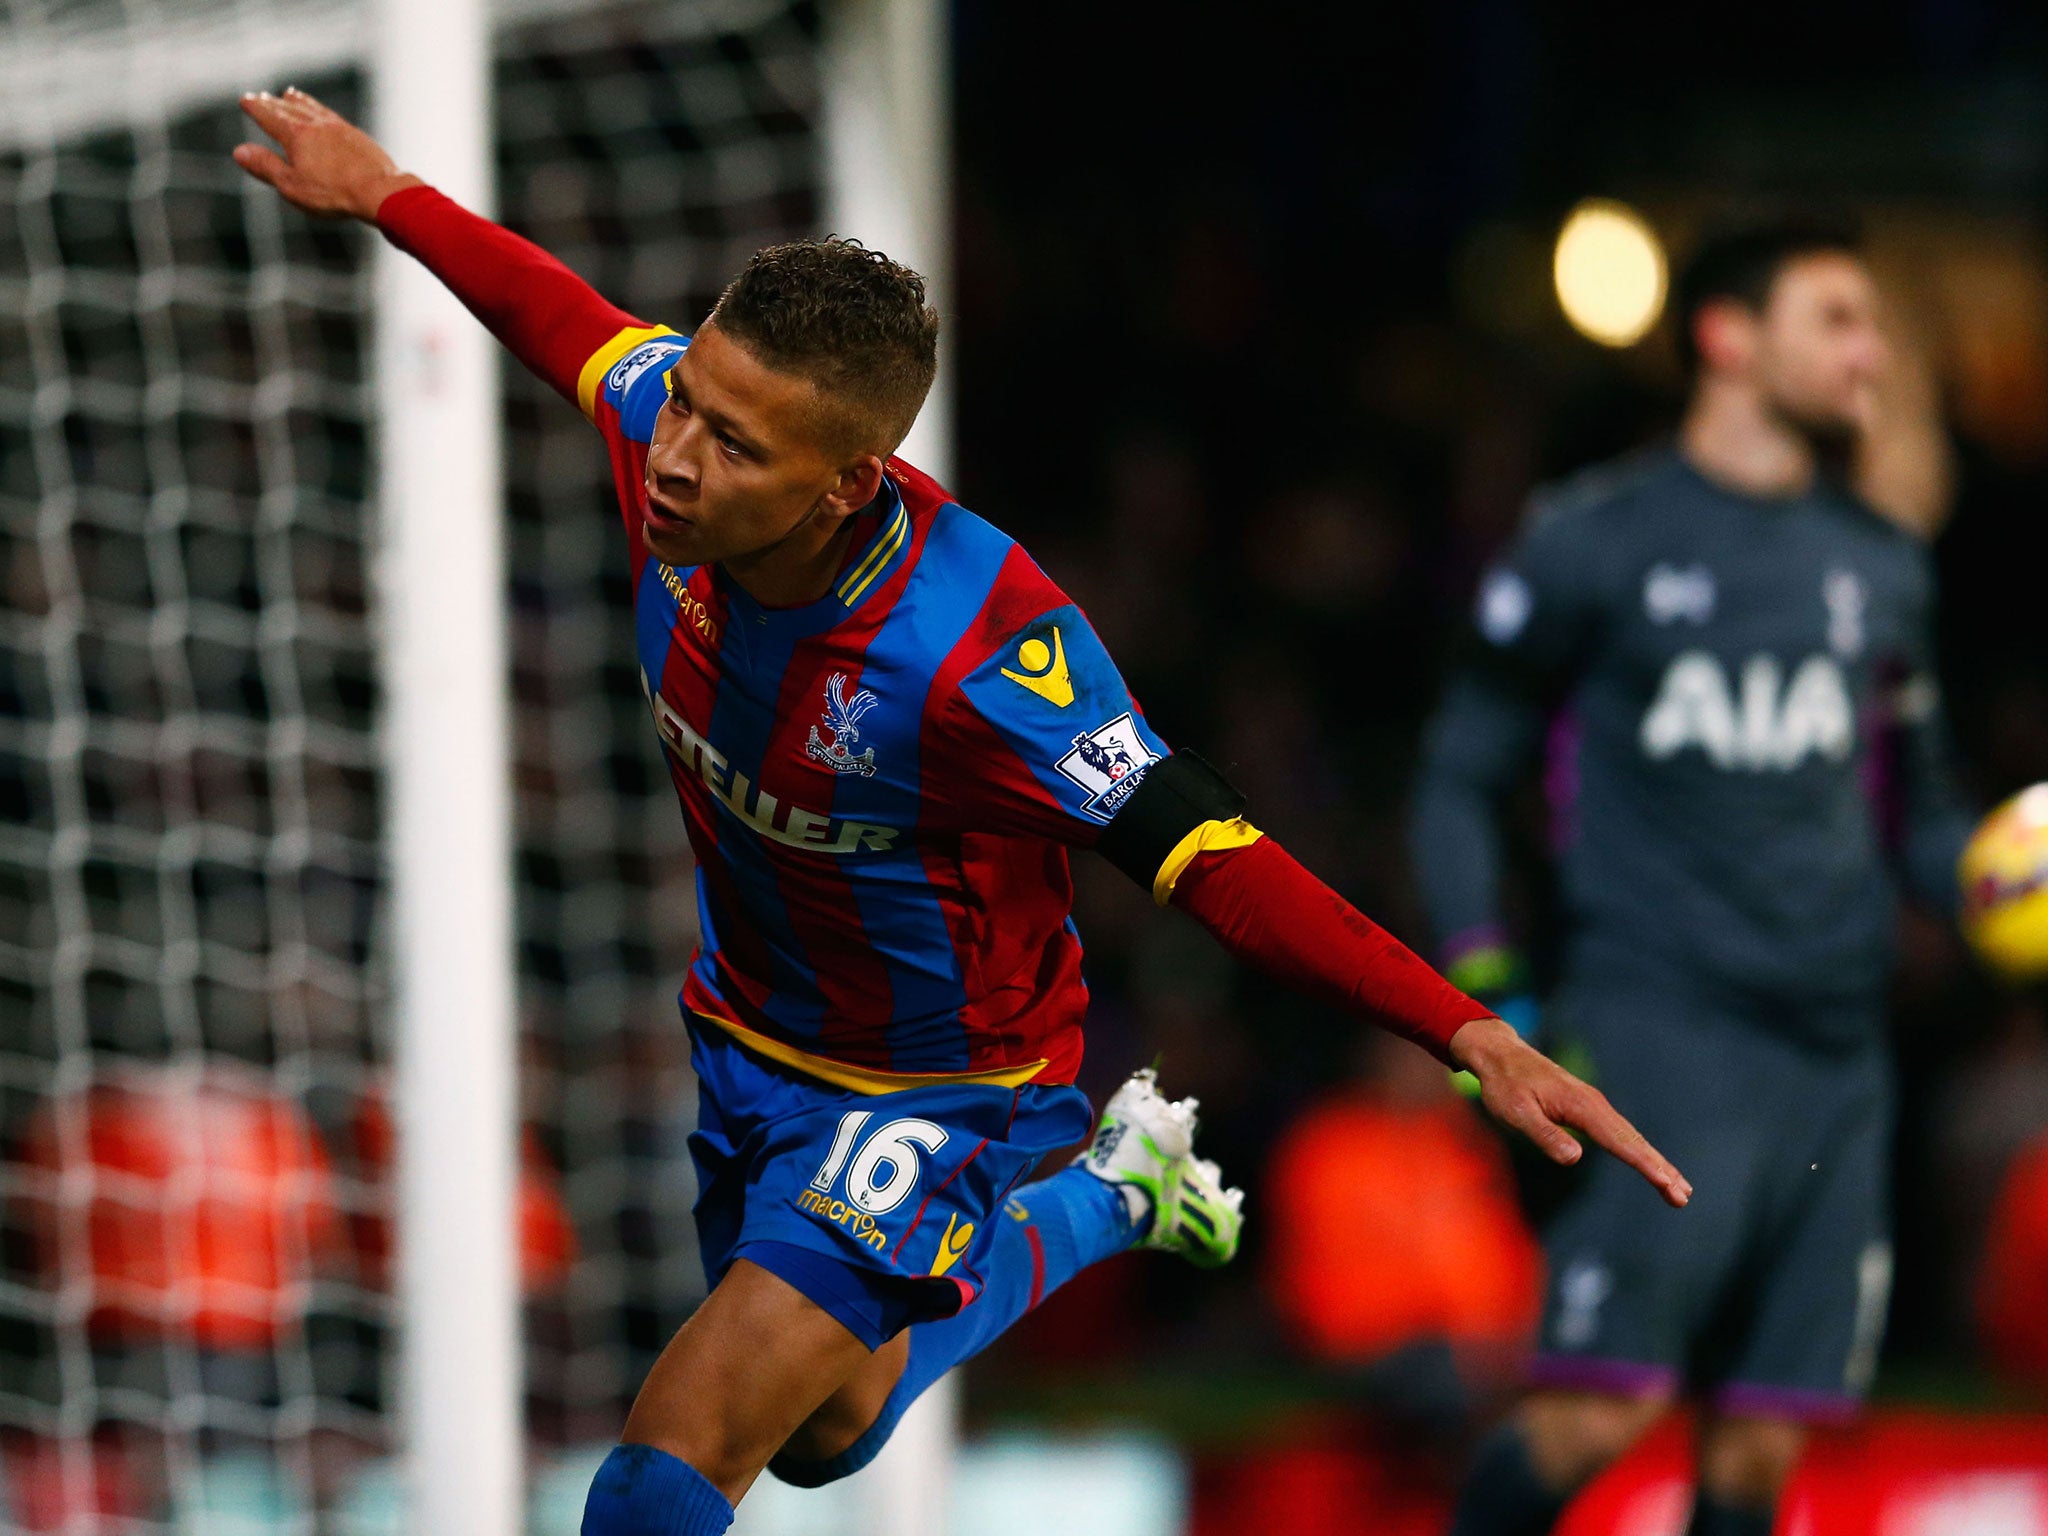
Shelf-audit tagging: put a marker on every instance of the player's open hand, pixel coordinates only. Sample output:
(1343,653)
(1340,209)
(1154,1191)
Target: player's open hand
(1523,1088)
(329,165)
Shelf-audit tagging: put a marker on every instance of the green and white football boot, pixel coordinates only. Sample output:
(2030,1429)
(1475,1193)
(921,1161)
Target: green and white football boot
(1145,1145)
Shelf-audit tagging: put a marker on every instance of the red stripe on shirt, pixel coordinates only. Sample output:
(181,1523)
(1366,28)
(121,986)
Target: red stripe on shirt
(689,681)
(816,888)
(629,483)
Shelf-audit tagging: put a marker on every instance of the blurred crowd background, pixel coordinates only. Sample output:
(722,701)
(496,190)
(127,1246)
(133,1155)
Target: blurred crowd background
(1257,350)
(1266,372)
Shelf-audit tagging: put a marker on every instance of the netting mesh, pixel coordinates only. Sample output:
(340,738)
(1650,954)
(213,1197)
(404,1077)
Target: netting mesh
(194,1328)
(188,862)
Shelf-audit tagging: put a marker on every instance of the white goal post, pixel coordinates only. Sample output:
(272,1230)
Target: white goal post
(449,831)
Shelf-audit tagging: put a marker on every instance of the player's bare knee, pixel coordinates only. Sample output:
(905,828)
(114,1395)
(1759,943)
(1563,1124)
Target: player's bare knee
(849,1413)
(1573,1436)
(832,1429)
(1748,1461)
(718,1447)
(724,1461)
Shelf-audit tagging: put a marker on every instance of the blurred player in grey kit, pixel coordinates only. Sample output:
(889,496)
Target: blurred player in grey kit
(1730,649)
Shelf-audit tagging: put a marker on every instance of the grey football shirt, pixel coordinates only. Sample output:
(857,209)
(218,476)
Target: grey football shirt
(1752,724)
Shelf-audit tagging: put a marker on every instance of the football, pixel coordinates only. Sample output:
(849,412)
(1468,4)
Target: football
(2004,873)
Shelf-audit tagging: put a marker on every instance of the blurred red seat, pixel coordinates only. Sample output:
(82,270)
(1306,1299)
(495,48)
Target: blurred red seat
(2012,1293)
(1391,1223)
(199,1204)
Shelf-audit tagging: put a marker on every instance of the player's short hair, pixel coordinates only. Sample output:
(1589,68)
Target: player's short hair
(851,321)
(1740,257)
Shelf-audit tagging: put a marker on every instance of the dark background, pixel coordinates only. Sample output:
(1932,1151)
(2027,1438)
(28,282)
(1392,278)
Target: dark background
(1257,352)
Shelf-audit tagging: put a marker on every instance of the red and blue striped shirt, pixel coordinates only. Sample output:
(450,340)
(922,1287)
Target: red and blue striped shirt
(881,786)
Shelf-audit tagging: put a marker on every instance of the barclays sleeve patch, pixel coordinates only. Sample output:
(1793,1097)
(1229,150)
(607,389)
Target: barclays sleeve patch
(649,354)
(637,385)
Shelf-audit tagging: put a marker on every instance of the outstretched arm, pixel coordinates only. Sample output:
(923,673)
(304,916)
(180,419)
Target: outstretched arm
(547,316)
(1273,914)
(1022,714)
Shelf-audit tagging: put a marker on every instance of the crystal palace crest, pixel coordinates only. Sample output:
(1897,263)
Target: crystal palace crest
(842,720)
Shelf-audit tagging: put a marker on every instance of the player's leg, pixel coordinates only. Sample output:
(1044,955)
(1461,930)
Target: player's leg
(1810,1345)
(1556,1443)
(1745,1463)
(1139,1184)
(685,1456)
(1071,1220)
(749,1366)
(1631,1282)
(849,1412)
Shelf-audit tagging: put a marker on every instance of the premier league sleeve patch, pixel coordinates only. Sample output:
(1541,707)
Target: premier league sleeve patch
(1108,763)
(1040,689)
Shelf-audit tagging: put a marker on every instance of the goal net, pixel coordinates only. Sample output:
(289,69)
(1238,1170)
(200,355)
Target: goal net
(196,1325)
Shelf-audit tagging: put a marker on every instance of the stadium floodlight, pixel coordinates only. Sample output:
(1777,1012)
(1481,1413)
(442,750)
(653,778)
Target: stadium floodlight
(1611,272)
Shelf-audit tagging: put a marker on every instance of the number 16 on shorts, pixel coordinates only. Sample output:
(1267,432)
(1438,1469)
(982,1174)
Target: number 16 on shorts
(883,1173)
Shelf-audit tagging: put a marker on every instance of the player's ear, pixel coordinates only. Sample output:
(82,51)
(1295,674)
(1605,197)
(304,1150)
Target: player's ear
(1724,332)
(858,484)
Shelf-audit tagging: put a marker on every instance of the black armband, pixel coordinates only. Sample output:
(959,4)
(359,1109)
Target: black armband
(1179,795)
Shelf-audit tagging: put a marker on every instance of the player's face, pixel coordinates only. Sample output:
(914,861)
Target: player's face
(1819,346)
(738,461)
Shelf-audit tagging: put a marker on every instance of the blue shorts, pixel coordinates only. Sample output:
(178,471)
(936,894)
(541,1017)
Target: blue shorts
(878,1207)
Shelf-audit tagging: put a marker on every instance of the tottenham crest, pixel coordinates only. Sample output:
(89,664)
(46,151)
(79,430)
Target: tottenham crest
(842,720)
(1842,591)
(1108,762)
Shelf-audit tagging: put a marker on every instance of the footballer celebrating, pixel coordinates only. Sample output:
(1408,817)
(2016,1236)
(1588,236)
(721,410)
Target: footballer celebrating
(886,728)
(1730,654)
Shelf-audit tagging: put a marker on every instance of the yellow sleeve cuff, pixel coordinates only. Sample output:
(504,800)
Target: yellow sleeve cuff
(1209,837)
(600,362)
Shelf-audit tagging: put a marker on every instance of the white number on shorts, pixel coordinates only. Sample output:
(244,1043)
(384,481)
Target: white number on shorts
(849,1127)
(892,1147)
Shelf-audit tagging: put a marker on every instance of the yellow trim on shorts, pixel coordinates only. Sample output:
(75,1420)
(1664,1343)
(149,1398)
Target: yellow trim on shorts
(1209,837)
(599,363)
(860,1079)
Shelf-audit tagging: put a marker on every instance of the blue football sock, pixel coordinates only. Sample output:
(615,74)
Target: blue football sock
(640,1491)
(1047,1233)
